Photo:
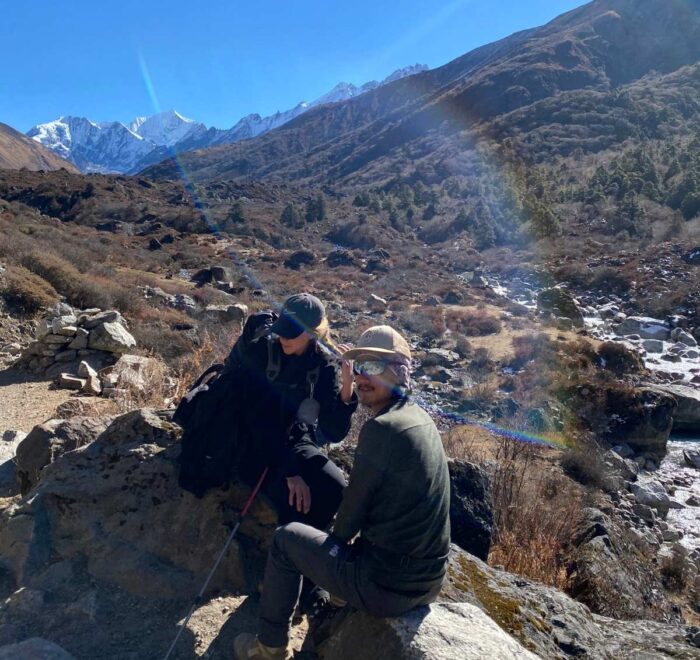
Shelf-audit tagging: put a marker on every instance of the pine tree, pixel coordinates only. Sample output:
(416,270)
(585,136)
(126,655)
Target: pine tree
(236,214)
(291,217)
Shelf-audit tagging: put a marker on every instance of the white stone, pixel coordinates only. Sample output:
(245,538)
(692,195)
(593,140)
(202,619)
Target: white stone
(111,337)
(85,370)
(70,382)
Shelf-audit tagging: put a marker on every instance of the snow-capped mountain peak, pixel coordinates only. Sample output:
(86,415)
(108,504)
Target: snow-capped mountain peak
(164,129)
(116,147)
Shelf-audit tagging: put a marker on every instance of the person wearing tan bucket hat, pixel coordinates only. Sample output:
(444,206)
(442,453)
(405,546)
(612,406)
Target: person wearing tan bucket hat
(388,548)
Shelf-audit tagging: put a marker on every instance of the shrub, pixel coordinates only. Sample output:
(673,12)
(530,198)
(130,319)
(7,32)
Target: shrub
(530,347)
(82,290)
(55,270)
(609,280)
(27,291)
(619,359)
(472,322)
(481,364)
(536,512)
(585,465)
(462,346)
(426,321)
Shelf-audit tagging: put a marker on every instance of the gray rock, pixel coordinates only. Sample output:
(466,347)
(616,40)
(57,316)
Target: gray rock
(56,340)
(653,494)
(686,417)
(102,497)
(90,321)
(70,382)
(376,304)
(81,339)
(685,338)
(624,451)
(653,346)
(560,303)
(47,441)
(471,508)
(66,356)
(645,513)
(440,357)
(93,386)
(85,370)
(111,337)
(225,313)
(60,324)
(442,630)
(34,648)
(692,457)
(645,327)
(625,467)
(185,303)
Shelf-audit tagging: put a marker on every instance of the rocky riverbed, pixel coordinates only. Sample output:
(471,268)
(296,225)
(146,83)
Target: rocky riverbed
(682,481)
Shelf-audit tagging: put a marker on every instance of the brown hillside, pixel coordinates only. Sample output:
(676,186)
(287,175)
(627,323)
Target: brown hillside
(600,46)
(18,151)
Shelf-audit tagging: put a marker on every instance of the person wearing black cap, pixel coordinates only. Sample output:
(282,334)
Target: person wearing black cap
(298,396)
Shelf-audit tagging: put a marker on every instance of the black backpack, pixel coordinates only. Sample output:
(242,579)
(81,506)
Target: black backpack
(209,416)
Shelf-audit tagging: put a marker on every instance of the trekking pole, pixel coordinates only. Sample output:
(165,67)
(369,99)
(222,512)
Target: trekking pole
(199,596)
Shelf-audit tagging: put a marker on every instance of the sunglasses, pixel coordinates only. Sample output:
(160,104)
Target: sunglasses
(370,367)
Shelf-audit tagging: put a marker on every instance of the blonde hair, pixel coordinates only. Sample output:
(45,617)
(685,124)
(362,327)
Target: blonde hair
(322,331)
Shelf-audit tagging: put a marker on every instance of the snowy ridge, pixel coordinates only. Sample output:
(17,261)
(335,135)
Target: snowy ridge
(128,148)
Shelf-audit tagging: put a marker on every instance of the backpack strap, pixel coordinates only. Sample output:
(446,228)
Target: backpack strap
(274,364)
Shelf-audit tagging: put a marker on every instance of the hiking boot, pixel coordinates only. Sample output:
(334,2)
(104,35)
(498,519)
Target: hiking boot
(247,646)
(324,621)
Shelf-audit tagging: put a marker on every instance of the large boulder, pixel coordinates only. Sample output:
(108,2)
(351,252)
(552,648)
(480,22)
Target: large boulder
(112,508)
(610,574)
(47,441)
(645,327)
(471,508)
(686,417)
(540,619)
(561,304)
(443,630)
(643,422)
(652,494)
(112,337)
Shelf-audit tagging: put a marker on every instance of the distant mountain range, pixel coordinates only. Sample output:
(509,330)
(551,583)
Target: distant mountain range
(17,151)
(529,87)
(117,147)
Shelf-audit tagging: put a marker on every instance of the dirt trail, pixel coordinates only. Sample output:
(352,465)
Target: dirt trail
(25,401)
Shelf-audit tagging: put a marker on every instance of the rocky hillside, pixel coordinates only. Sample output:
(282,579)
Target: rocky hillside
(601,46)
(18,151)
(80,572)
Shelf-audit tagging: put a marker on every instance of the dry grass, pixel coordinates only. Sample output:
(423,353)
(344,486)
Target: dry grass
(536,508)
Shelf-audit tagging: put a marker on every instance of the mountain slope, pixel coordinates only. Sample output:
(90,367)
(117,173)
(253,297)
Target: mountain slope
(602,45)
(115,147)
(18,151)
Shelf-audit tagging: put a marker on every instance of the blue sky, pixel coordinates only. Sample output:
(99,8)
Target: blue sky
(216,61)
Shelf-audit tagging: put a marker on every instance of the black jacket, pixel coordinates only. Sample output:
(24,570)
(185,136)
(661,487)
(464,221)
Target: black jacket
(268,422)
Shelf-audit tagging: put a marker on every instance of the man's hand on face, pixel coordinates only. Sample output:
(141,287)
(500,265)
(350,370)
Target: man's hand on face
(346,375)
(299,494)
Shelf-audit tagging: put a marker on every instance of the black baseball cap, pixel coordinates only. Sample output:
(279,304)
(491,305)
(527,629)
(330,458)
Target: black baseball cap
(300,312)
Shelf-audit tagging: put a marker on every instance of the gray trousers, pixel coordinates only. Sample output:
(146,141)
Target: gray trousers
(299,550)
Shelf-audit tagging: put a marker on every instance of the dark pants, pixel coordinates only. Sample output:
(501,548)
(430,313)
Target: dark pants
(325,481)
(299,550)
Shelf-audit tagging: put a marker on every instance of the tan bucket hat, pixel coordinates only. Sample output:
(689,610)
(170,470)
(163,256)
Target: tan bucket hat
(380,342)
